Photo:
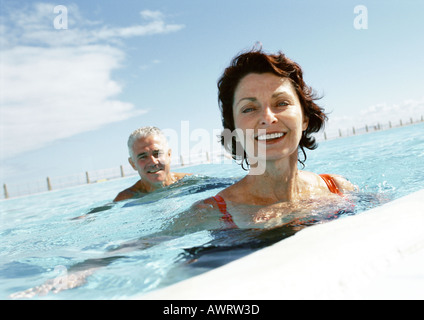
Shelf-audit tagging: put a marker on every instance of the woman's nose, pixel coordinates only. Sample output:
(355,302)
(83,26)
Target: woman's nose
(267,116)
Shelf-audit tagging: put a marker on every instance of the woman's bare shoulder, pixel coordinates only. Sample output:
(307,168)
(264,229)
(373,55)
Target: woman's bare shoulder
(343,184)
(205,204)
(210,203)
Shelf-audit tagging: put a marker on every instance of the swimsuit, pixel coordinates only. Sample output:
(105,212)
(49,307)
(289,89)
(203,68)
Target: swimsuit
(228,219)
(226,216)
(331,184)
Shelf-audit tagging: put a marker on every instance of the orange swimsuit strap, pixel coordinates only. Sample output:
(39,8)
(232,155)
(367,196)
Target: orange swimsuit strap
(228,219)
(226,216)
(331,184)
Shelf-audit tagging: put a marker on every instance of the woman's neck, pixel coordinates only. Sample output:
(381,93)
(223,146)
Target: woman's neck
(279,182)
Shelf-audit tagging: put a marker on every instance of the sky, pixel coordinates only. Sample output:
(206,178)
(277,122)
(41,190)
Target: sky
(77,77)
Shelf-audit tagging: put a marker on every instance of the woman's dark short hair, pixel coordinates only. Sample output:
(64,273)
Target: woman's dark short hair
(256,61)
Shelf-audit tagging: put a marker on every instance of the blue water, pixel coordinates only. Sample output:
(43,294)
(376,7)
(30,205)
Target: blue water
(42,241)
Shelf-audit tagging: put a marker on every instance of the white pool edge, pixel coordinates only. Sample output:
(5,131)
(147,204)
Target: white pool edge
(378,254)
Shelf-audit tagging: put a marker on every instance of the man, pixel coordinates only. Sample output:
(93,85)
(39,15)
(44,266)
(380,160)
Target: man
(150,156)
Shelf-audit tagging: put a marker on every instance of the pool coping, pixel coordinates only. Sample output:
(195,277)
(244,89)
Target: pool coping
(377,254)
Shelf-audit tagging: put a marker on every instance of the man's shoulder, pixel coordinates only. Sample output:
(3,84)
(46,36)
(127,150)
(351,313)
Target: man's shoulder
(124,195)
(180,175)
(130,192)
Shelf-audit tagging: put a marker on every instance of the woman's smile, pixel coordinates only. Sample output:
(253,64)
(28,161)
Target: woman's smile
(270,138)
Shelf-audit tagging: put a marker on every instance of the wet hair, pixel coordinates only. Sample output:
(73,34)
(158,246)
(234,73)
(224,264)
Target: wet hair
(257,61)
(145,132)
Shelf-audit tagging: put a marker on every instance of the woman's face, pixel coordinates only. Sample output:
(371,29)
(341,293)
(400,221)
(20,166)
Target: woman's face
(267,111)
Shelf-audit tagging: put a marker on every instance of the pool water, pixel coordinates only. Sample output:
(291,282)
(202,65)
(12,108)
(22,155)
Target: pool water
(125,242)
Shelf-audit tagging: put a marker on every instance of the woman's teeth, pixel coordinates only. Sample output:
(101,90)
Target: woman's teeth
(270,136)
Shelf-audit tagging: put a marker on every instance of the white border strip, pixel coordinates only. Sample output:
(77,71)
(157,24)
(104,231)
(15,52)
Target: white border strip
(378,254)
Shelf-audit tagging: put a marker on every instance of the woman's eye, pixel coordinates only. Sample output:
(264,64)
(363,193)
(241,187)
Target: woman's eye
(282,103)
(247,109)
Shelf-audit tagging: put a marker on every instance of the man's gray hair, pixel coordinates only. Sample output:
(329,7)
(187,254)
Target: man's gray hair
(145,132)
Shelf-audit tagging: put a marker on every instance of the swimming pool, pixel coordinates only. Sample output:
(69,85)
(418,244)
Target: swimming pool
(41,240)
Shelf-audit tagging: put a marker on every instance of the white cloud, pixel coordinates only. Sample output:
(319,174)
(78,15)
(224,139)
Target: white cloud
(153,15)
(35,26)
(55,93)
(381,114)
(157,25)
(58,83)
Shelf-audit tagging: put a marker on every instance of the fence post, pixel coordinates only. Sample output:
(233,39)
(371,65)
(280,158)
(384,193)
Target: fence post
(325,135)
(49,184)
(87,177)
(122,171)
(353,130)
(366,128)
(390,124)
(6,194)
(400,121)
(181,160)
(340,133)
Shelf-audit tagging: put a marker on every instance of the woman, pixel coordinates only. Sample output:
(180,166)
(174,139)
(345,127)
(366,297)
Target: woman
(264,100)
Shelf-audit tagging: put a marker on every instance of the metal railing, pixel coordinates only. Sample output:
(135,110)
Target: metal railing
(12,190)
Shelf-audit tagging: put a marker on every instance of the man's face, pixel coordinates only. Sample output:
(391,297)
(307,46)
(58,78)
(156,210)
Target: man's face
(151,159)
